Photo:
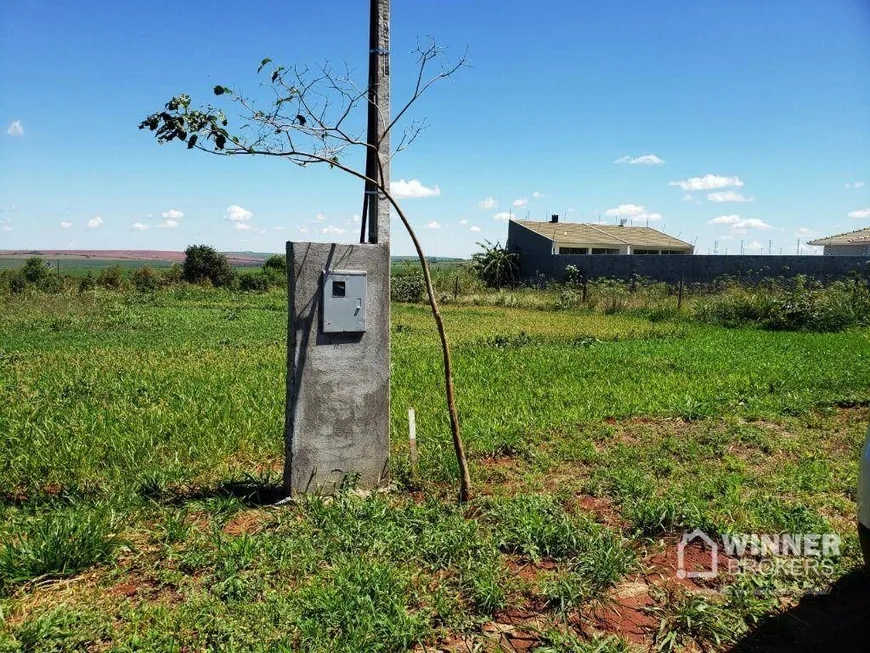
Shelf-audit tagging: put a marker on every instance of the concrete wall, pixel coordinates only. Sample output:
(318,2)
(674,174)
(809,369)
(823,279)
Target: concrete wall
(534,246)
(696,268)
(338,384)
(847,250)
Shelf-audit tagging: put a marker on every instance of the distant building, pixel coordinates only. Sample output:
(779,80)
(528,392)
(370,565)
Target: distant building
(853,243)
(534,240)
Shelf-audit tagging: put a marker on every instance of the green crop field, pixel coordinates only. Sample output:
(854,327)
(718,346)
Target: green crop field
(142,447)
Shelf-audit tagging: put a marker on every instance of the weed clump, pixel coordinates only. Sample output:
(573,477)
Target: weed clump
(56,545)
(807,306)
(359,605)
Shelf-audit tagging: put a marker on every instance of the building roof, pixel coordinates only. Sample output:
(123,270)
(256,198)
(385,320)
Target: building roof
(569,234)
(857,237)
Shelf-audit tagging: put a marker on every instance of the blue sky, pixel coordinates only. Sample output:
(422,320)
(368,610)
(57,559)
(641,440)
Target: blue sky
(734,120)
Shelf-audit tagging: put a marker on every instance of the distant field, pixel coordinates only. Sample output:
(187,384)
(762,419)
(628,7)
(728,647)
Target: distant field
(79,262)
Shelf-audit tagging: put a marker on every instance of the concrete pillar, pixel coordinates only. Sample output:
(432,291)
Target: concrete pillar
(338,384)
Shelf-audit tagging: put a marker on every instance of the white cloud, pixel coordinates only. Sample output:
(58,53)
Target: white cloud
(279,228)
(329,229)
(172,224)
(242,226)
(475,229)
(6,227)
(412,189)
(536,195)
(433,225)
(320,218)
(729,196)
(755,245)
(860,213)
(741,225)
(625,211)
(463,222)
(859,184)
(137,226)
(355,218)
(304,230)
(803,231)
(15,129)
(504,216)
(236,213)
(707,182)
(687,198)
(66,225)
(95,222)
(172,214)
(652,217)
(644,160)
(9,208)
(518,203)
(488,203)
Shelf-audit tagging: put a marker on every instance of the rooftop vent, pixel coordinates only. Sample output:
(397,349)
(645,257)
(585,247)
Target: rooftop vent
(554,218)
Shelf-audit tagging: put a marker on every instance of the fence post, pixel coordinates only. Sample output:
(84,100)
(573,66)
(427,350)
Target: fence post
(680,295)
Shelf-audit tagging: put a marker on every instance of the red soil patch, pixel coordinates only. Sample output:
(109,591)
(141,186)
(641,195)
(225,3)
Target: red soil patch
(125,589)
(626,615)
(663,567)
(602,510)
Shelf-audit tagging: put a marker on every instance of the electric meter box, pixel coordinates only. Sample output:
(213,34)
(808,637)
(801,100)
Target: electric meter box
(344,301)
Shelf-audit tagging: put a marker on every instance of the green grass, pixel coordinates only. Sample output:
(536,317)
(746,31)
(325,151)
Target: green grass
(143,443)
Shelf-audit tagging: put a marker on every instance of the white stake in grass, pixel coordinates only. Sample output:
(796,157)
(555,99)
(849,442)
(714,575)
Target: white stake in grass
(412,438)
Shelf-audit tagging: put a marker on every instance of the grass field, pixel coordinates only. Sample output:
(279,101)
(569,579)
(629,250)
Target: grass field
(142,441)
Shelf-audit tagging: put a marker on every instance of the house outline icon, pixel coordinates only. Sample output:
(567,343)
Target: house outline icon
(688,538)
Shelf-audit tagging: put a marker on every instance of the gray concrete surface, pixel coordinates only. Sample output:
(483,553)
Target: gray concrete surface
(697,268)
(338,384)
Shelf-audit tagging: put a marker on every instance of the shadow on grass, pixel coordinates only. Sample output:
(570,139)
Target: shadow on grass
(837,621)
(251,492)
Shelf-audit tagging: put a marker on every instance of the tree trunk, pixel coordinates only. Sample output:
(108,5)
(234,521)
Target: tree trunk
(459,448)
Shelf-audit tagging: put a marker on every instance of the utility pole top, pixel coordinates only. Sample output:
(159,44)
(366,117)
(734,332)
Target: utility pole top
(378,139)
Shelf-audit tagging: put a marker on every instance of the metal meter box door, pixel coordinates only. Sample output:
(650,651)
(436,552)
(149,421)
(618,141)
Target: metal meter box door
(344,301)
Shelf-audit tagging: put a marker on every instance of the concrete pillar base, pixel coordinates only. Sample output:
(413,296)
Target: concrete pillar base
(338,384)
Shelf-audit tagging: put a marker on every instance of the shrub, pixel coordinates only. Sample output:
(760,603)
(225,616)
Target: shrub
(274,271)
(253,281)
(276,263)
(87,282)
(202,263)
(172,275)
(111,277)
(572,275)
(35,270)
(17,283)
(409,287)
(803,307)
(145,279)
(496,266)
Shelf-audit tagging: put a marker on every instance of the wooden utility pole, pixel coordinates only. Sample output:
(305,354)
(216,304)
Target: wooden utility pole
(375,226)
